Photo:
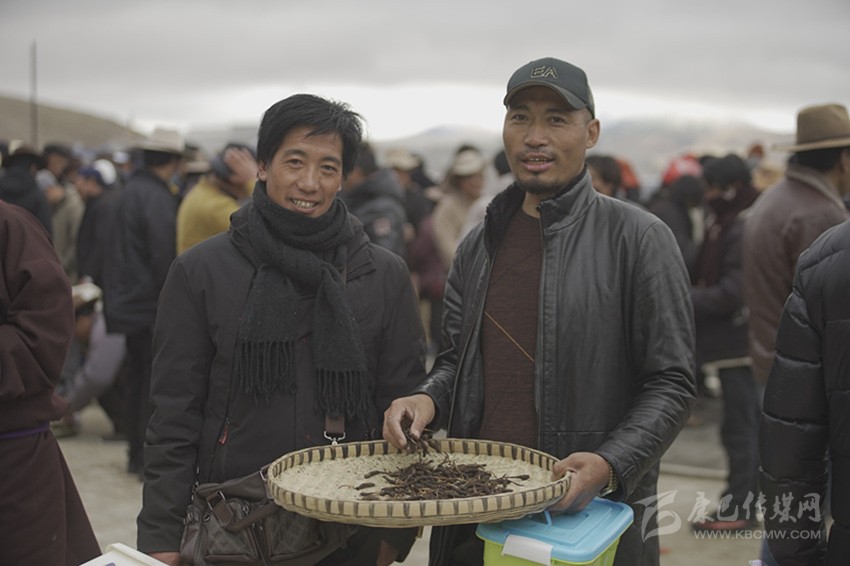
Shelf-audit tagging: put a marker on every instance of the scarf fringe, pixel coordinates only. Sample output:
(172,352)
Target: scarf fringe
(339,392)
(266,368)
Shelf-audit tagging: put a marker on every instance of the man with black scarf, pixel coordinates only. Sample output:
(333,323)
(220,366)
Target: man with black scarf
(263,332)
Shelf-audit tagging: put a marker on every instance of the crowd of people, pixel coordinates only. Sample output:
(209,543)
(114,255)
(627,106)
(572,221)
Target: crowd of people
(539,296)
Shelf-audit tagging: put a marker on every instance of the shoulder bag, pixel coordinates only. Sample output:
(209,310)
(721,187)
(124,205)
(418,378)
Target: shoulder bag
(236,522)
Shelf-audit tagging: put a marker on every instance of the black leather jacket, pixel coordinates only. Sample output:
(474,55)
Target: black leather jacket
(614,359)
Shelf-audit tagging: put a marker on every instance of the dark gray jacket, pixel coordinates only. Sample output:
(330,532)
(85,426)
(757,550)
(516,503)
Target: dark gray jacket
(141,251)
(614,361)
(806,407)
(200,420)
(378,203)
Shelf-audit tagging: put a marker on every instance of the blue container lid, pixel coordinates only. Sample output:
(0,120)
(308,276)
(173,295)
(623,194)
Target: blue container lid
(576,537)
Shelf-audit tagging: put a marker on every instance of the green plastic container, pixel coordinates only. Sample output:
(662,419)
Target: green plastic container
(589,537)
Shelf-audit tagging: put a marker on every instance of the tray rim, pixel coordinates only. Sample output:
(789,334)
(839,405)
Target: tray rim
(434,512)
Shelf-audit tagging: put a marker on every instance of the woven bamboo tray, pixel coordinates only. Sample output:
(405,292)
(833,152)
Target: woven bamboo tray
(320,483)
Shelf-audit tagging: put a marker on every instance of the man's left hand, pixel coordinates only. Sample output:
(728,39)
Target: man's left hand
(589,477)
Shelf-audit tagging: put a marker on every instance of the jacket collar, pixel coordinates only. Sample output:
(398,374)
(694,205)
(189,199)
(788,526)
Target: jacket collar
(569,203)
(815,179)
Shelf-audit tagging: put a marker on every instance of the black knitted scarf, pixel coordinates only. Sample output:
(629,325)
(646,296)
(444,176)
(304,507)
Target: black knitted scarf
(300,253)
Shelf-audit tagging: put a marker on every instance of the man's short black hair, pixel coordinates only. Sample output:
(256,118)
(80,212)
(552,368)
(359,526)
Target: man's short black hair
(321,115)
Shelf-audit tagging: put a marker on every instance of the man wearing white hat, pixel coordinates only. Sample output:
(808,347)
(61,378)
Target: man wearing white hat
(95,185)
(140,253)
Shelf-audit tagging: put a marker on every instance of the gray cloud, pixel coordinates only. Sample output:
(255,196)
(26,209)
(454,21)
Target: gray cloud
(167,60)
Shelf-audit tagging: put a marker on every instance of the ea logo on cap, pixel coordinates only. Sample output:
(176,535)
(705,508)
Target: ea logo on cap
(544,72)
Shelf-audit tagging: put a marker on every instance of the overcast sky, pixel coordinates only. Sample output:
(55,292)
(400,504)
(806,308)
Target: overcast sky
(408,66)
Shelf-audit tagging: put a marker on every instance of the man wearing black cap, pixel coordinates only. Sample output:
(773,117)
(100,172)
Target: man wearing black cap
(593,361)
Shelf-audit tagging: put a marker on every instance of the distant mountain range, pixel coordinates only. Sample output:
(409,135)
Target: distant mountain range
(648,145)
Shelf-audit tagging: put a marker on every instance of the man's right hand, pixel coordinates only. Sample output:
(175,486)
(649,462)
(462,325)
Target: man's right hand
(416,410)
(170,558)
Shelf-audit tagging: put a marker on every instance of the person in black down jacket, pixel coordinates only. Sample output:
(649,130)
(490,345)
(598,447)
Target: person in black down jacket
(262,333)
(805,425)
(567,322)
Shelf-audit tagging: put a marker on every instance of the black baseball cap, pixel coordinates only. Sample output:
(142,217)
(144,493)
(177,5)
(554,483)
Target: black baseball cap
(564,78)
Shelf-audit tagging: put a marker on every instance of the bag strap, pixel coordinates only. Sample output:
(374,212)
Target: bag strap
(335,429)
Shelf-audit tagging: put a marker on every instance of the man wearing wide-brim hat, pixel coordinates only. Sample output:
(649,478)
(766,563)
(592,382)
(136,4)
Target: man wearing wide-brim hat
(788,217)
(143,247)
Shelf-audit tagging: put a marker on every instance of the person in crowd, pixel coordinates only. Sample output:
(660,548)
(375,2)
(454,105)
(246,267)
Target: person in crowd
(568,322)
(336,315)
(195,165)
(605,175)
(629,180)
(124,164)
(18,186)
(205,210)
(721,337)
(375,197)
(416,205)
(463,185)
(785,221)
(141,250)
(678,203)
(95,184)
(806,404)
(421,176)
(42,518)
(66,207)
(95,366)
(478,210)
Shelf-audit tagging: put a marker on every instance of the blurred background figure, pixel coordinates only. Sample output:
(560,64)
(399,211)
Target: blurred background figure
(138,258)
(463,185)
(206,208)
(478,210)
(195,166)
(629,180)
(95,184)
(66,207)
(799,208)
(606,175)
(375,196)
(18,185)
(94,368)
(721,337)
(124,164)
(416,205)
(678,203)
